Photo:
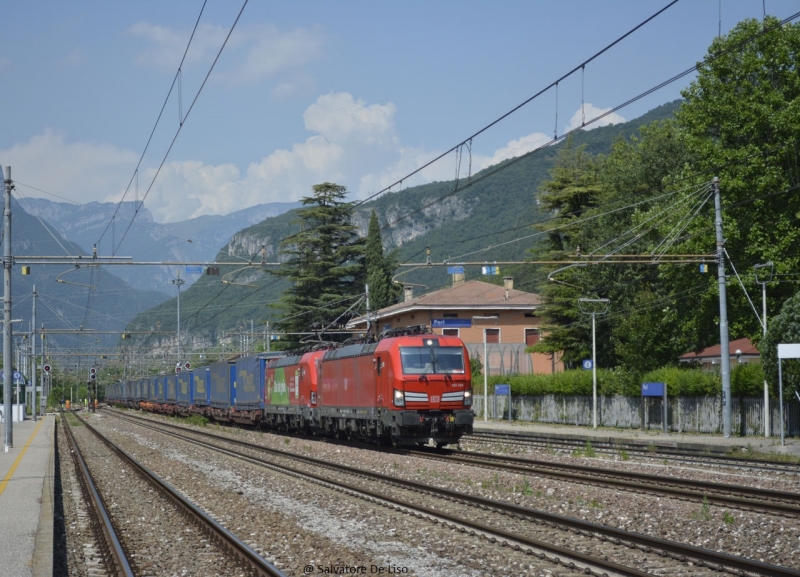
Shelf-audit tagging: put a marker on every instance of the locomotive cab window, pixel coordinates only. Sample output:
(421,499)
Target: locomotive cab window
(432,360)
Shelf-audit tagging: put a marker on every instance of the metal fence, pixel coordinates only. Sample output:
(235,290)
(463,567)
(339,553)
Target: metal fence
(684,414)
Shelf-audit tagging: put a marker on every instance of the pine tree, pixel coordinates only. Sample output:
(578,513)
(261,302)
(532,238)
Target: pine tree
(573,189)
(325,263)
(380,268)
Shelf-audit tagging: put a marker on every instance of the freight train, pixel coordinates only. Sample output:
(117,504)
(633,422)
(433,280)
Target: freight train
(409,387)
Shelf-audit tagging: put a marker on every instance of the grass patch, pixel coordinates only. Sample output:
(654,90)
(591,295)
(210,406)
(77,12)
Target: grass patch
(704,514)
(728,518)
(624,455)
(198,420)
(587,451)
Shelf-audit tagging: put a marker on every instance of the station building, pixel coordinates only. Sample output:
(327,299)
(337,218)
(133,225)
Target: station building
(497,322)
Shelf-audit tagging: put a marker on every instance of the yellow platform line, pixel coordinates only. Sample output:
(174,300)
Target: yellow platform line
(19,458)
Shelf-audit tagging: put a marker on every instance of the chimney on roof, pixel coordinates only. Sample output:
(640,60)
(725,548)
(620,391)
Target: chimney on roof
(459,279)
(408,293)
(508,283)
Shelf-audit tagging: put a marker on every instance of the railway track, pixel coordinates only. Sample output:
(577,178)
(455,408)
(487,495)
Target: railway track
(643,450)
(733,496)
(151,528)
(575,544)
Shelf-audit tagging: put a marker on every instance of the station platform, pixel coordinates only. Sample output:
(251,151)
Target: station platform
(693,442)
(27,481)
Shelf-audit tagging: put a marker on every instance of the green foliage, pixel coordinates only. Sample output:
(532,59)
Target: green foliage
(380,268)
(476,369)
(746,380)
(324,262)
(784,328)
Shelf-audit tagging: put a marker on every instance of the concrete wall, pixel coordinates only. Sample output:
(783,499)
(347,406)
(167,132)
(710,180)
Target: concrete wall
(685,414)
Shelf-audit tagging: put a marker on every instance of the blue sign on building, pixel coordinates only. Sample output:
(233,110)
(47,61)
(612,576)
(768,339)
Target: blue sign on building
(451,323)
(455,270)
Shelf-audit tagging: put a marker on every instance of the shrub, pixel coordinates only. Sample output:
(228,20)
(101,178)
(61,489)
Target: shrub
(681,381)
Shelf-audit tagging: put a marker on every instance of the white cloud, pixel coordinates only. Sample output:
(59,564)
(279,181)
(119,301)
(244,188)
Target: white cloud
(339,117)
(514,148)
(351,142)
(254,52)
(81,170)
(590,112)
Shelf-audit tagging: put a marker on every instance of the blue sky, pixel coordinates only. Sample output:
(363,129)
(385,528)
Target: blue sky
(359,93)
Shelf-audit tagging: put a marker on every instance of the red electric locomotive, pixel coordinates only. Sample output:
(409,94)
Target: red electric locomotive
(409,387)
(290,391)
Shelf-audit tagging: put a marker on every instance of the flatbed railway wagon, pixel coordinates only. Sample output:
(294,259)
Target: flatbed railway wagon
(247,406)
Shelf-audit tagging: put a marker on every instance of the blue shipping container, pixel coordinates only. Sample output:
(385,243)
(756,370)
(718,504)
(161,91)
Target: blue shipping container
(250,383)
(220,384)
(201,380)
(184,388)
(172,388)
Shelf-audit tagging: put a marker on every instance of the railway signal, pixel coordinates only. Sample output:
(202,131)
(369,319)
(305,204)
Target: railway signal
(93,374)
(46,368)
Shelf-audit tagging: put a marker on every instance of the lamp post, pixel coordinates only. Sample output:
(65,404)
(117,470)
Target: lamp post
(485,369)
(591,303)
(178,282)
(765,278)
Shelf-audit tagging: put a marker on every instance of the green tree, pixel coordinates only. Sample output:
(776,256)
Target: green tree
(324,262)
(573,189)
(380,268)
(742,118)
(784,328)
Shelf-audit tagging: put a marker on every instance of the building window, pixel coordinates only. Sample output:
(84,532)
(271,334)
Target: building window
(492,335)
(449,315)
(532,336)
(450,332)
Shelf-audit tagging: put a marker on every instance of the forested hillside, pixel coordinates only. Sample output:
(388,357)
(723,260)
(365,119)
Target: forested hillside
(497,209)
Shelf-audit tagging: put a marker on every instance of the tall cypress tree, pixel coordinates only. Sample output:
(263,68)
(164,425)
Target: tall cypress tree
(380,268)
(324,261)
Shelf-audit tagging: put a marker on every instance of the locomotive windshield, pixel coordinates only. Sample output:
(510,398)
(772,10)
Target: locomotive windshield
(436,360)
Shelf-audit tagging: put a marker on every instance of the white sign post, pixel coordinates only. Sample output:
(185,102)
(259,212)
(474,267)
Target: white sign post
(785,351)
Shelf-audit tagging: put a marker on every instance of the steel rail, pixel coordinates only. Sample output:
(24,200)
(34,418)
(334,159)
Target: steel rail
(771,500)
(671,547)
(241,549)
(649,449)
(114,547)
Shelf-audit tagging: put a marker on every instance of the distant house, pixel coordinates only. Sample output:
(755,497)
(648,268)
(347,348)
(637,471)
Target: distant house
(499,320)
(741,351)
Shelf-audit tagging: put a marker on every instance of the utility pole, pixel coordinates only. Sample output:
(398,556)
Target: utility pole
(763,284)
(594,312)
(7,417)
(725,353)
(178,282)
(33,356)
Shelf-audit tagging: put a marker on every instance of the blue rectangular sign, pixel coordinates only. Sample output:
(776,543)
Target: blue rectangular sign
(653,389)
(194,270)
(451,323)
(455,270)
(502,389)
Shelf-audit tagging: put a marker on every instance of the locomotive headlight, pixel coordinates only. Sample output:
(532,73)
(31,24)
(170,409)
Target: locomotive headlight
(467,398)
(399,399)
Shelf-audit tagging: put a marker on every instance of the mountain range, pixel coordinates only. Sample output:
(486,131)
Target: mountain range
(485,217)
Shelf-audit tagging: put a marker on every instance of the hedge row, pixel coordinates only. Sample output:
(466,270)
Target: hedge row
(746,380)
